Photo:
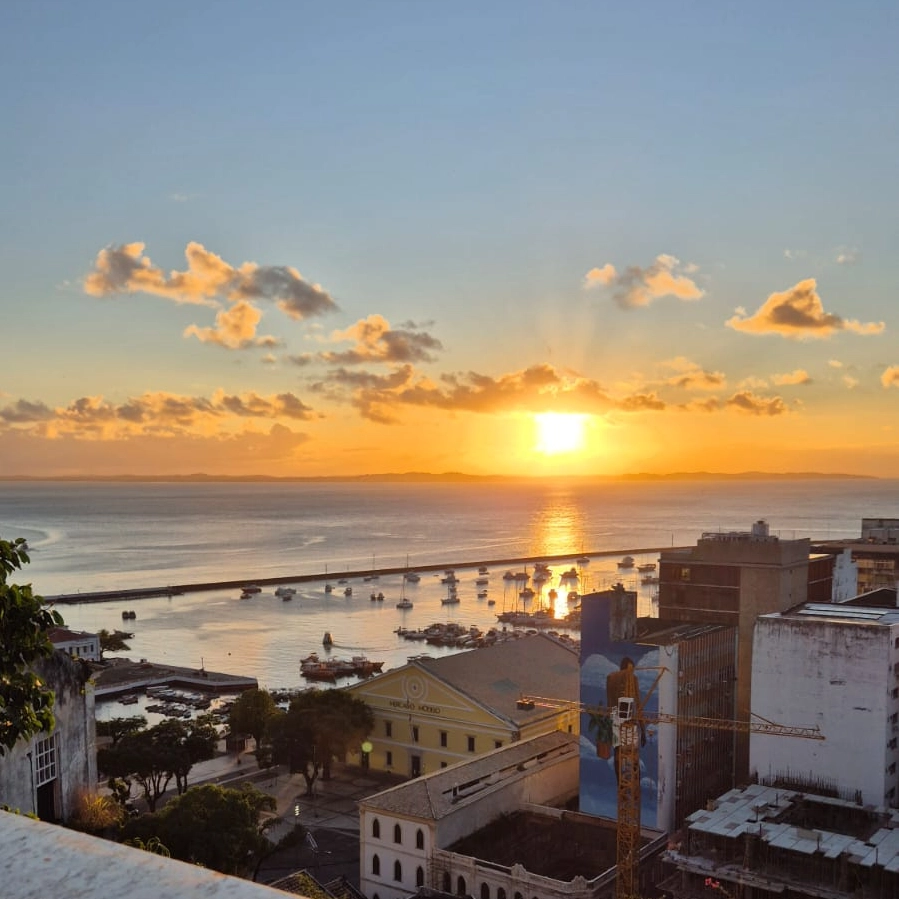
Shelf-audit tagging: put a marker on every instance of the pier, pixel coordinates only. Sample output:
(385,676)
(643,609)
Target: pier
(127,676)
(177,589)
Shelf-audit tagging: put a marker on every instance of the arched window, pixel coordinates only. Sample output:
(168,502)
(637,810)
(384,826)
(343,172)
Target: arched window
(447,882)
(397,833)
(419,839)
(419,876)
(460,886)
(500,893)
(376,828)
(519,896)
(375,865)
(397,871)
(485,891)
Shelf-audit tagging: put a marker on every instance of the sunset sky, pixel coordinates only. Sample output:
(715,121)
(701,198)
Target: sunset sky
(291,238)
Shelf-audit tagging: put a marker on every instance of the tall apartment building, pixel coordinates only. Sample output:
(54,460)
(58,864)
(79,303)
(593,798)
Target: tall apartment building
(835,666)
(732,578)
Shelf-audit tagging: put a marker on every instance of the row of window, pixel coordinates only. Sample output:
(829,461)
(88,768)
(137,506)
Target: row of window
(444,737)
(461,888)
(397,834)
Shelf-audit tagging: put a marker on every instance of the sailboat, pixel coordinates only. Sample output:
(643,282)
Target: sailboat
(413,577)
(404,603)
(328,586)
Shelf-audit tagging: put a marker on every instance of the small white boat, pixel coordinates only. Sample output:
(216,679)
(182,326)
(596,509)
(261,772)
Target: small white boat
(404,604)
(328,588)
(347,591)
(482,594)
(583,560)
(412,577)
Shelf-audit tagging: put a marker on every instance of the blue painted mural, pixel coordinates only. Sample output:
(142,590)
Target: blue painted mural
(606,674)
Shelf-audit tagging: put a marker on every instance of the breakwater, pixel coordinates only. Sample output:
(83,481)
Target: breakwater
(176,589)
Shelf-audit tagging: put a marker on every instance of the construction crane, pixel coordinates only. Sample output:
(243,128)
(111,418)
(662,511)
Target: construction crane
(628,720)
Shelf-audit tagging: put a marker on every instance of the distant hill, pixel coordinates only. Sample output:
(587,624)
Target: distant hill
(461,477)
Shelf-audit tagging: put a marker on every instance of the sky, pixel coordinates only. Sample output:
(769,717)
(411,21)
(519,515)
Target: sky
(581,238)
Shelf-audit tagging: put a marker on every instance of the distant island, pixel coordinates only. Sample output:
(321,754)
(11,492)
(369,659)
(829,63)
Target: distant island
(420,477)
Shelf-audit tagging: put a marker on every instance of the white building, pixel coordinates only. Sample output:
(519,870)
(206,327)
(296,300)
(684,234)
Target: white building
(837,667)
(78,644)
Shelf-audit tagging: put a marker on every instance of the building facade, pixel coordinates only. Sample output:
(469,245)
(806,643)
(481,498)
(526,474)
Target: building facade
(732,578)
(435,712)
(78,644)
(45,775)
(835,667)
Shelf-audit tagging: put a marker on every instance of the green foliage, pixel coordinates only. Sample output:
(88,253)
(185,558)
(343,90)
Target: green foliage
(96,814)
(26,703)
(152,845)
(120,727)
(319,726)
(600,723)
(210,825)
(154,756)
(113,641)
(251,713)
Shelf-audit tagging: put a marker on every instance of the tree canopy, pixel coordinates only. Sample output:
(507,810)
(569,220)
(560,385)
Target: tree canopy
(251,713)
(210,825)
(26,703)
(113,641)
(319,726)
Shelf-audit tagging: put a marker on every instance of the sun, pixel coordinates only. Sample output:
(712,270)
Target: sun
(559,432)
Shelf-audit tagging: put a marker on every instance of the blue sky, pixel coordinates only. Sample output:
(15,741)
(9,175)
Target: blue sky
(456,171)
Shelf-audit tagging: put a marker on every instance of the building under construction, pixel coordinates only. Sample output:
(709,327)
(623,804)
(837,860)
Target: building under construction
(763,842)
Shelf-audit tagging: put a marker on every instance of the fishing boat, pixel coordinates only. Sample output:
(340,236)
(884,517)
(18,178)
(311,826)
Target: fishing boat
(526,594)
(572,596)
(252,588)
(626,562)
(583,560)
(327,640)
(347,591)
(328,588)
(482,581)
(482,569)
(452,597)
(405,603)
(646,567)
(285,592)
(482,594)
(413,577)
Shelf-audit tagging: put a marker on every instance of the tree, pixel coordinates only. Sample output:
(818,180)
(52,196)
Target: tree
(210,825)
(26,703)
(319,726)
(251,713)
(120,727)
(113,642)
(154,756)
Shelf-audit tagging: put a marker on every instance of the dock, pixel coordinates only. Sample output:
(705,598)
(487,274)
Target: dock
(127,676)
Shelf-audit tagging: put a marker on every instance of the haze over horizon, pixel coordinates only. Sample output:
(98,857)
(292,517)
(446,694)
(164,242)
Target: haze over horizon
(524,240)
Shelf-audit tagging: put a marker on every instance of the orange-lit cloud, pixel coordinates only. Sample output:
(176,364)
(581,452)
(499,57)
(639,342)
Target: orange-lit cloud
(890,376)
(691,376)
(743,401)
(125,269)
(798,313)
(235,328)
(792,378)
(376,341)
(161,414)
(636,286)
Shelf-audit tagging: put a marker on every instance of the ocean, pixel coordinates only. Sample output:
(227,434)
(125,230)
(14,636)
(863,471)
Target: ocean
(88,536)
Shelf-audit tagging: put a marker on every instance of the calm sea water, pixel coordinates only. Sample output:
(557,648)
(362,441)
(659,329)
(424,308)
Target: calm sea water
(107,536)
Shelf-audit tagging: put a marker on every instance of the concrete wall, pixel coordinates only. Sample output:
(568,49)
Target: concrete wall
(840,676)
(76,754)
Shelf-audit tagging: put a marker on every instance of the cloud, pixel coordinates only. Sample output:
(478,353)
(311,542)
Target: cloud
(834,363)
(795,377)
(597,277)
(753,382)
(691,377)
(235,329)
(793,254)
(159,414)
(890,376)
(850,382)
(377,342)
(637,286)
(748,402)
(798,314)
(208,278)
(846,256)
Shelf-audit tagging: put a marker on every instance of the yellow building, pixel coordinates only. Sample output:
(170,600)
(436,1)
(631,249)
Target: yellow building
(435,712)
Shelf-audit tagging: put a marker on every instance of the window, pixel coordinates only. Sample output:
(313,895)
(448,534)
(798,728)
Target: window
(376,829)
(375,865)
(892,768)
(447,882)
(419,876)
(500,893)
(45,768)
(397,871)
(397,833)
(389,759)
(419,839)
(497,744)
(388,728)
(414,733)
(443,764)
(471,744)
(443,738)
(485,891)
(460,886)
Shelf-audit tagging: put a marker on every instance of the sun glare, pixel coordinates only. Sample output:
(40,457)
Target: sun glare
(559,432)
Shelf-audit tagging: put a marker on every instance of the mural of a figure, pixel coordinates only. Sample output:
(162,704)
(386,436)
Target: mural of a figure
(623,683)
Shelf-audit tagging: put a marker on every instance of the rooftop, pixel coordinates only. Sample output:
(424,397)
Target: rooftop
(446,790)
